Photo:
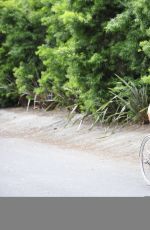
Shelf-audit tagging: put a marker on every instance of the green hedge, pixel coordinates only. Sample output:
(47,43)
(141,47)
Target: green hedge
(74,48)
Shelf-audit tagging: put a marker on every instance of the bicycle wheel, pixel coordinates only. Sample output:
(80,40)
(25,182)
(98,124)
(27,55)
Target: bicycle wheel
(145,159)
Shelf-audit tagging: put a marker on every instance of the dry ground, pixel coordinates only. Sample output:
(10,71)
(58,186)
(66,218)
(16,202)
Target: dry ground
(42,155)
(53,128)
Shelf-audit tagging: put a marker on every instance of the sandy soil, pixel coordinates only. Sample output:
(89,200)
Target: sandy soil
(53,128)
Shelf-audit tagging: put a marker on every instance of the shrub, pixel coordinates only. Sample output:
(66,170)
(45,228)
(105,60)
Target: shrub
(129,103)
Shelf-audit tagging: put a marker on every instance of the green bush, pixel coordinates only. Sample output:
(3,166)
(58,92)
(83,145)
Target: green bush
(21,33)
(74,49)
(129,102)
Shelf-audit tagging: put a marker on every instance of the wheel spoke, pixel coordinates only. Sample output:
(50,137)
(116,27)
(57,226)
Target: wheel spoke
(145,158)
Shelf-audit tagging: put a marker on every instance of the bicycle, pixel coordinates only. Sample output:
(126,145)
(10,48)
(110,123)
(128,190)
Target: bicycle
(145,155)
(145,158)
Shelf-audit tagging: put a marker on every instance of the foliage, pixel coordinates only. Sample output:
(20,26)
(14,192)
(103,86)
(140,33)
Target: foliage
(129,103)
(75,49)
(20,35)
(76,53)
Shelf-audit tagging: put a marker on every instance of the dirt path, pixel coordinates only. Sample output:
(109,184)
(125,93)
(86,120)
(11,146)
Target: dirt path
(41,156)
(50,127)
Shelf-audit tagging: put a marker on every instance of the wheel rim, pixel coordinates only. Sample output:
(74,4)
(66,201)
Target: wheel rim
(145,159)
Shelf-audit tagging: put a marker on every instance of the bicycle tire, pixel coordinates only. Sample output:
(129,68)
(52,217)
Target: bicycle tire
(145,159)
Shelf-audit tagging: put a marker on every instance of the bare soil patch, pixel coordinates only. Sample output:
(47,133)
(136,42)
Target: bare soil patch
(53,128)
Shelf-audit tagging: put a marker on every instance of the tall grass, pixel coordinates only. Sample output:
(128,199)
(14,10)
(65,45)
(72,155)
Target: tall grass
(130,103)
